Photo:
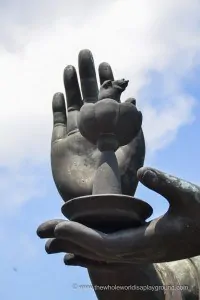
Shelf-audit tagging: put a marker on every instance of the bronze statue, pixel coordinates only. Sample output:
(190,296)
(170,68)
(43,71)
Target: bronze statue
(97,158)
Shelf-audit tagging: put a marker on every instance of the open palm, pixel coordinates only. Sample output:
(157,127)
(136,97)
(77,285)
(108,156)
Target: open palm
(172,236)
(74,160)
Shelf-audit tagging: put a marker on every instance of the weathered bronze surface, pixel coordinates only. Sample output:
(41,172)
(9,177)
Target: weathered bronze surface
(97,158)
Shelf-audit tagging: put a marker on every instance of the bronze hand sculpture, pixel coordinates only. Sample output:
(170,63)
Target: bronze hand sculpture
(141,250)
(74,160)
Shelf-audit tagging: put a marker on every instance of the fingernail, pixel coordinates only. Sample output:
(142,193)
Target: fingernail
(69,259)
(150,177)
(40,233)
(69,69)
(48,248)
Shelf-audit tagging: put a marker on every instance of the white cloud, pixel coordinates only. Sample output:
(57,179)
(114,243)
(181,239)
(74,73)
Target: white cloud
(167,121)
(137,37)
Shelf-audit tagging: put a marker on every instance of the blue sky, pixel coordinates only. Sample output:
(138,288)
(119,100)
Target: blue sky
(155,45)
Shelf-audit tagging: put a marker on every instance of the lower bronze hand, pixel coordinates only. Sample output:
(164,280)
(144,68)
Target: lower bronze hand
(178,229)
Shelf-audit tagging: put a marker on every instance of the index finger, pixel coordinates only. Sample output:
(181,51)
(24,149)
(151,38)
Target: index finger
(88,76)
(110,246)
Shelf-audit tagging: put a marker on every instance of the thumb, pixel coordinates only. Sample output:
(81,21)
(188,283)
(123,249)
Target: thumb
(177,191)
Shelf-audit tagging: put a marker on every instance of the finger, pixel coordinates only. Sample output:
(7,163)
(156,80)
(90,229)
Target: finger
(88,76)
(75,260)
(82,235)
(112,247)
(73,96)
(72,90)
(55,245)
(59,117)
(46,229)
(177,191)
(105,72)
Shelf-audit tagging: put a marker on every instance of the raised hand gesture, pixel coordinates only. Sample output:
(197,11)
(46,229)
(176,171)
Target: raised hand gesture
(74,160)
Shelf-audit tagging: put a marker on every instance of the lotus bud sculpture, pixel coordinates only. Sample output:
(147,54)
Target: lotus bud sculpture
(108,124)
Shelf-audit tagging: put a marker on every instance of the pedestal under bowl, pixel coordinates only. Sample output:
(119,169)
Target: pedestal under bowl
(107,212)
